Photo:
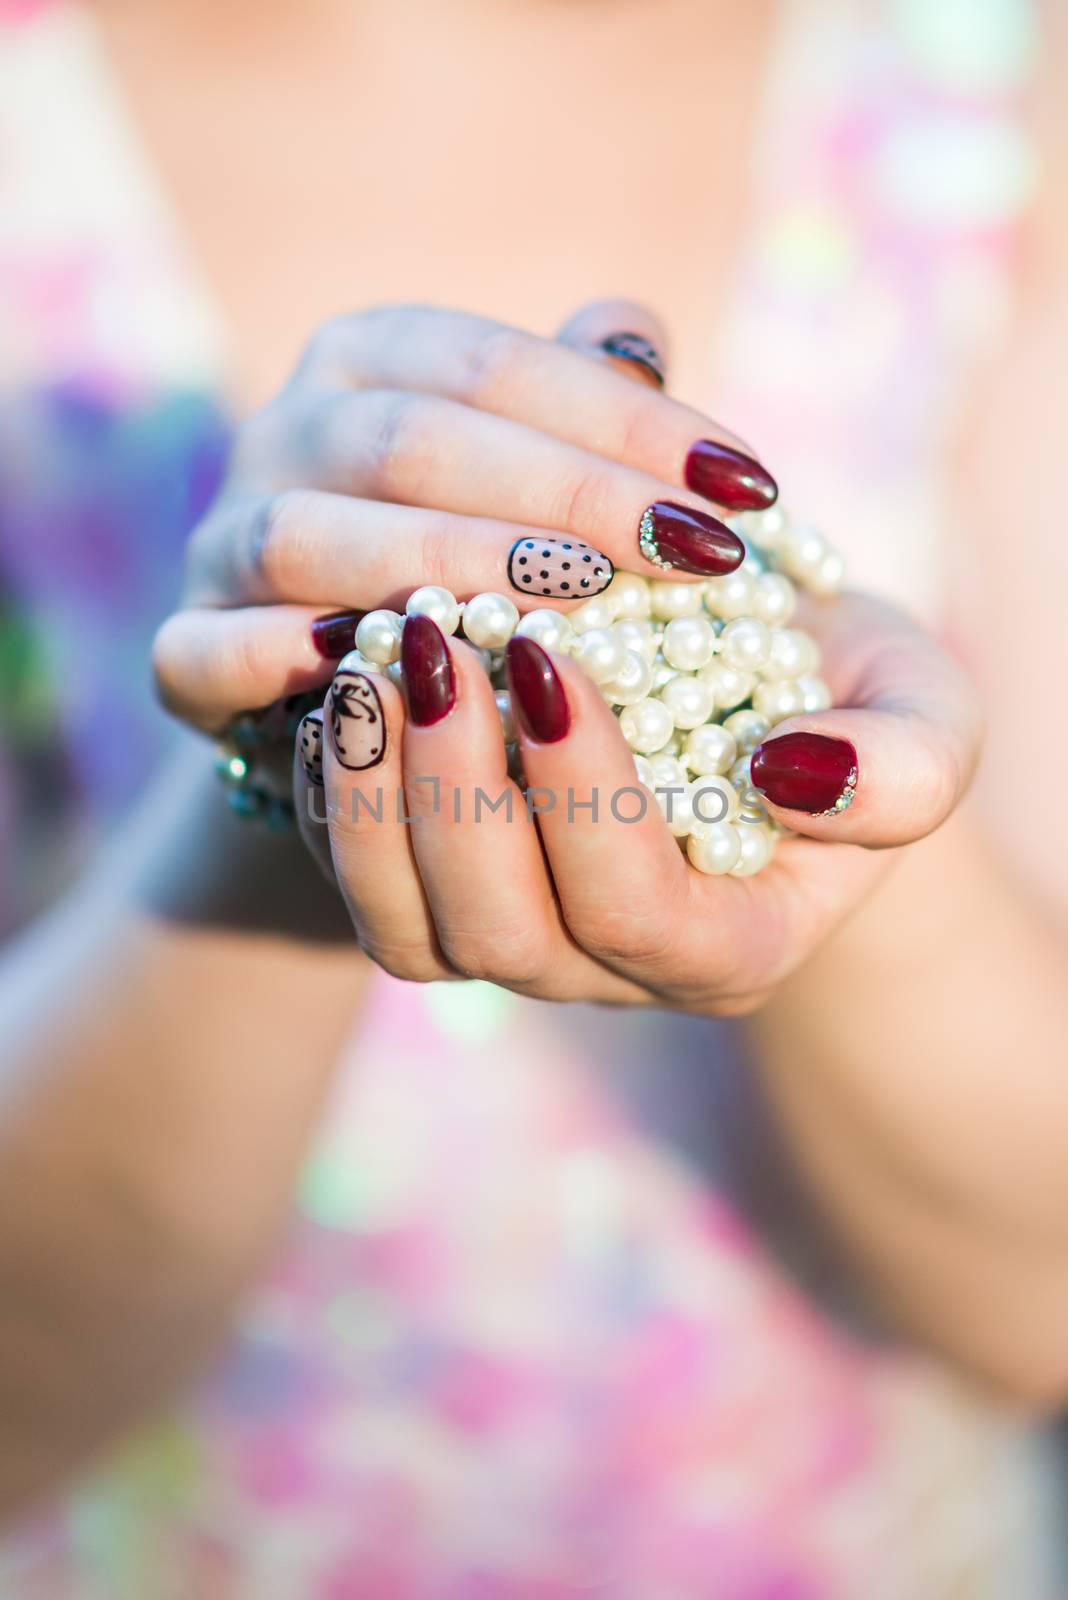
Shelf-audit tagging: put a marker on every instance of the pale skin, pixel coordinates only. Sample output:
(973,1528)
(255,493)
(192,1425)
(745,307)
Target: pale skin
(937,1142)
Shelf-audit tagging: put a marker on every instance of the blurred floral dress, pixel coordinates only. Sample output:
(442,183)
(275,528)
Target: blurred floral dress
(549,1321)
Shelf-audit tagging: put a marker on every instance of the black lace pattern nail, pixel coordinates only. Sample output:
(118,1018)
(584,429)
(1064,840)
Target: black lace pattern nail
(310,743)
(633,347)
(357,724)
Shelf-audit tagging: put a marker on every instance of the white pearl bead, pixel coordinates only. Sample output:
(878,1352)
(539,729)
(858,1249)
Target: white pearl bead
(628,595)
(710,749)
(644,768)
(714,800)
(715,849)
(668,770)
(504,711)
(662,674)
(729,686)
(774,599)
(551,629)
(828,576)
(730,596)
(690,701)
(749,729)
(647,726)
(673,746)
(769,527)
(378,636)
(802,551)
(751,805)
(437,604)
(688,643)
(490,620)
(356,661)
(740,774)
(600,653)
(632,682)
(793,653)
(745,644)
(676,806)
(815,693)
(778,700)
(670,600)
(637,634)
(595,613)
(755,852)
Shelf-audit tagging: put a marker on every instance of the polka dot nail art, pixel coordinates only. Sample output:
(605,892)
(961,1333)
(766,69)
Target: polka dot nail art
(357,725)
(310,745)
(560,569)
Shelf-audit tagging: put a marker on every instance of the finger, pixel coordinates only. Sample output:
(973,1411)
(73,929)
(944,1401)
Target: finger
(478,852)
(211,665)
(630,338)
(891,764)
(370,838)
(545,385)
(418,449)
(307,545)
(619,874)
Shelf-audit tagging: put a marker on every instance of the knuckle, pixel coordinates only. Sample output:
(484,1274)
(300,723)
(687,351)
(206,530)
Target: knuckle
(445,551)
(276,540)
(322,353)
(583,502)
(401,447)
(512,959)
(626,934)
(412,960)
(494,366)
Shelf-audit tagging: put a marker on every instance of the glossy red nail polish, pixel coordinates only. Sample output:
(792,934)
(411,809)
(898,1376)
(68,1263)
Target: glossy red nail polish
(537,692)
(335,636)
(671,535)
(429,680)
(729,477)
(806,772)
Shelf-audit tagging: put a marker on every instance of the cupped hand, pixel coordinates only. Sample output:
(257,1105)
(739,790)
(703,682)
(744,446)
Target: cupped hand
(416,446)
(578,890)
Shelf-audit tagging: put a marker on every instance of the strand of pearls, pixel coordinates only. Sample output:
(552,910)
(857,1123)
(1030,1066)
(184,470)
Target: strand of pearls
(697,674)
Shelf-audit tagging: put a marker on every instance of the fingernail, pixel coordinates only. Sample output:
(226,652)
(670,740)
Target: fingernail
(633,347)
(335,636)
(310,745)
(670,535)
(563,569)
(806,772)
(357,721)
(429,680)
(729,477)
(537,692)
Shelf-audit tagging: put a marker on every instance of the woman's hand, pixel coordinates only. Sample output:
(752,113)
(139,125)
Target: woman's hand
(417,446)
(448,871)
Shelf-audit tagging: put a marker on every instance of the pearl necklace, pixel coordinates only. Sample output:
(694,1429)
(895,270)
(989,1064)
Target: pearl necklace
(697,674)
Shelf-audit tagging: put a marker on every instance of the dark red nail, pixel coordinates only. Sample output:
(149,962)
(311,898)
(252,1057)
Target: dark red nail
(335,636)
(537,692)
(677,536)
(806,772)
(729,477)
(429,681)
(633,347)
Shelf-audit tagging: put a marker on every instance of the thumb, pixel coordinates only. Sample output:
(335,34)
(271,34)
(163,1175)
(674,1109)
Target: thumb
(623,333)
